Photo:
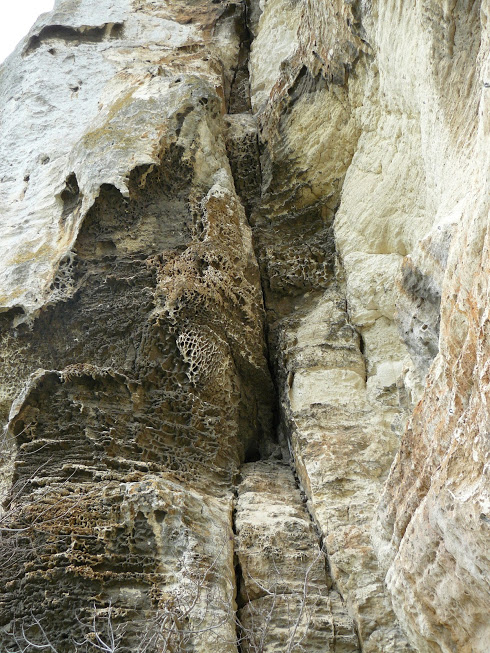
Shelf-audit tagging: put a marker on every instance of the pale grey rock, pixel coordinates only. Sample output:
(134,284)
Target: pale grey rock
(412,172)
(286,597)
(94,105)
(343,445)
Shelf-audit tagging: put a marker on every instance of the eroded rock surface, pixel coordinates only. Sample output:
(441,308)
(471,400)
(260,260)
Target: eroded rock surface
(285,589)
(244,328)
(142,382)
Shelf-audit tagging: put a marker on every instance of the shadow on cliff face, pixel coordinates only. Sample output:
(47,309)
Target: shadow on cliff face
(73,35)
(156,217)
(162,391)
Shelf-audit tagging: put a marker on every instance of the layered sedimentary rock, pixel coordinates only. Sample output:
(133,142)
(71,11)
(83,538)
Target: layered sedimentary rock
(285,596)
(135,348)
(244,327)
(404,155)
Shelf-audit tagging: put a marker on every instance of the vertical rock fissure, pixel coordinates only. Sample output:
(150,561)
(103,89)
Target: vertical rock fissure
(266,533)
(321,540)
(239,101)
(238,579)
(323,547)
(314,524)
(243,148)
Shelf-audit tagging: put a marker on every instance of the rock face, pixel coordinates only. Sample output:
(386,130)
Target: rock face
(285,595)
(245,311)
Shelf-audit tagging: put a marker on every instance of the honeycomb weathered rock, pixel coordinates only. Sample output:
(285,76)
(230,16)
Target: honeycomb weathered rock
(244,273)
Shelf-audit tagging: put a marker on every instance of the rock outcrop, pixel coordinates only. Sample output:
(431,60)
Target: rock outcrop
(245,356)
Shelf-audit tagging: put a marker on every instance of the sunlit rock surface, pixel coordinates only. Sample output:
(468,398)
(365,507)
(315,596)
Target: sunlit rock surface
(285,596)
(244,290)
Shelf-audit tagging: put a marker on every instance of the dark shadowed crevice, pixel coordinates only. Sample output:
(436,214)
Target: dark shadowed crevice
(419,313)
(239,101)
(74,35)
(70,196)
(238,574)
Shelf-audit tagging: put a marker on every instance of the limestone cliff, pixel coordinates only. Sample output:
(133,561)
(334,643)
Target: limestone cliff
(244,371)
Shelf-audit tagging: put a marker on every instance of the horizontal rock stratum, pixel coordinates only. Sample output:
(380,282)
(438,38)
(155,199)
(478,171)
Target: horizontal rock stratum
(245,328)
